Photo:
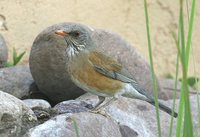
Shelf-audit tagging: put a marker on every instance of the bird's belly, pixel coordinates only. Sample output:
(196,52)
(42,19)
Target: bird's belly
(92,81)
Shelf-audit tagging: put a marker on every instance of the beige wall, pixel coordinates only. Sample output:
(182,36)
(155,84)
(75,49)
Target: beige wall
(26,18)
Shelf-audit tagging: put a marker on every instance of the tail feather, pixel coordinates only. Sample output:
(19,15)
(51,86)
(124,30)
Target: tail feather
(151,100)
(165,108)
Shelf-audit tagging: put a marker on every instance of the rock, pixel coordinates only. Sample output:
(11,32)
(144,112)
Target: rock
(137,118)
(3,52)
(37,103)
(88,124)
(195,112)
(167,87)
(36,94)
(127,131)
(15,116)
(89,98)
(72,106)
(41,108)
(48,63)
(16,80)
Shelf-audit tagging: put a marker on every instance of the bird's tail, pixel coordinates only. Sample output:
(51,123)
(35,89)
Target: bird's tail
(140,93)
(164,108)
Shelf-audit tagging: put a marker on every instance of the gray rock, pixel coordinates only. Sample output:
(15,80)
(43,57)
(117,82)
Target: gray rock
(88,124)
(16,80)
(89,99)
(3,52)
(137,115)
(127,131)
(15,116)
(41,108)
(36,94)
(37,103)
(195,112)
(167,86)
(138,118)
(72,106)
(48,63)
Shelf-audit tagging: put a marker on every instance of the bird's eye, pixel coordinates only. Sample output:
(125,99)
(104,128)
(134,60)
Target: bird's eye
(76,33)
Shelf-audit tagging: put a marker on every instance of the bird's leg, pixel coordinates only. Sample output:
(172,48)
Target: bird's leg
(101,100)
(107,103)
(97,108)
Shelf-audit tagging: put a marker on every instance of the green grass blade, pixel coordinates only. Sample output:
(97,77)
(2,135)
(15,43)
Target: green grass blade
(14,56)
(188,127)
(181,102)
(19,58)
(194,66)
(189,45)
(184,81)
(191,24)
(180,115)
(76,127)
(177,43)
(182,33)
(152,69)
(9,64)
(174,94)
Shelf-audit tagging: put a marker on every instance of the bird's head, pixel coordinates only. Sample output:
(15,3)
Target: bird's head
(77,39)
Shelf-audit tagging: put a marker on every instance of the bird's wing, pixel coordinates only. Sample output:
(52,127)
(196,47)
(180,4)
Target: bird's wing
(110,68)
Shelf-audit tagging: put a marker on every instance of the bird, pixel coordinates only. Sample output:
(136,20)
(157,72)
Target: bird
(95,72)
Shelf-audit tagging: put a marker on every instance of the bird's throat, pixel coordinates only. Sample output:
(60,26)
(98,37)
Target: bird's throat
(74,50)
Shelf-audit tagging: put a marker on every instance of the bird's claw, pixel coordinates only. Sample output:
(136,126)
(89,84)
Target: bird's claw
(98,111)
(94,111)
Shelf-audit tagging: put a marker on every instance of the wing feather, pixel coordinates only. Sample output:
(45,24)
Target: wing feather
(110,68)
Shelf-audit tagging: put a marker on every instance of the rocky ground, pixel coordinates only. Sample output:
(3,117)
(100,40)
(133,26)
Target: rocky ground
(41,100)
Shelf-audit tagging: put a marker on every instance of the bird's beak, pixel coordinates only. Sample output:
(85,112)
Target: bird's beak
(61,33)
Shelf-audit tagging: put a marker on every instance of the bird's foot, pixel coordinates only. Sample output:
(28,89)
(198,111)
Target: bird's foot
(98,111)
(94,111)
